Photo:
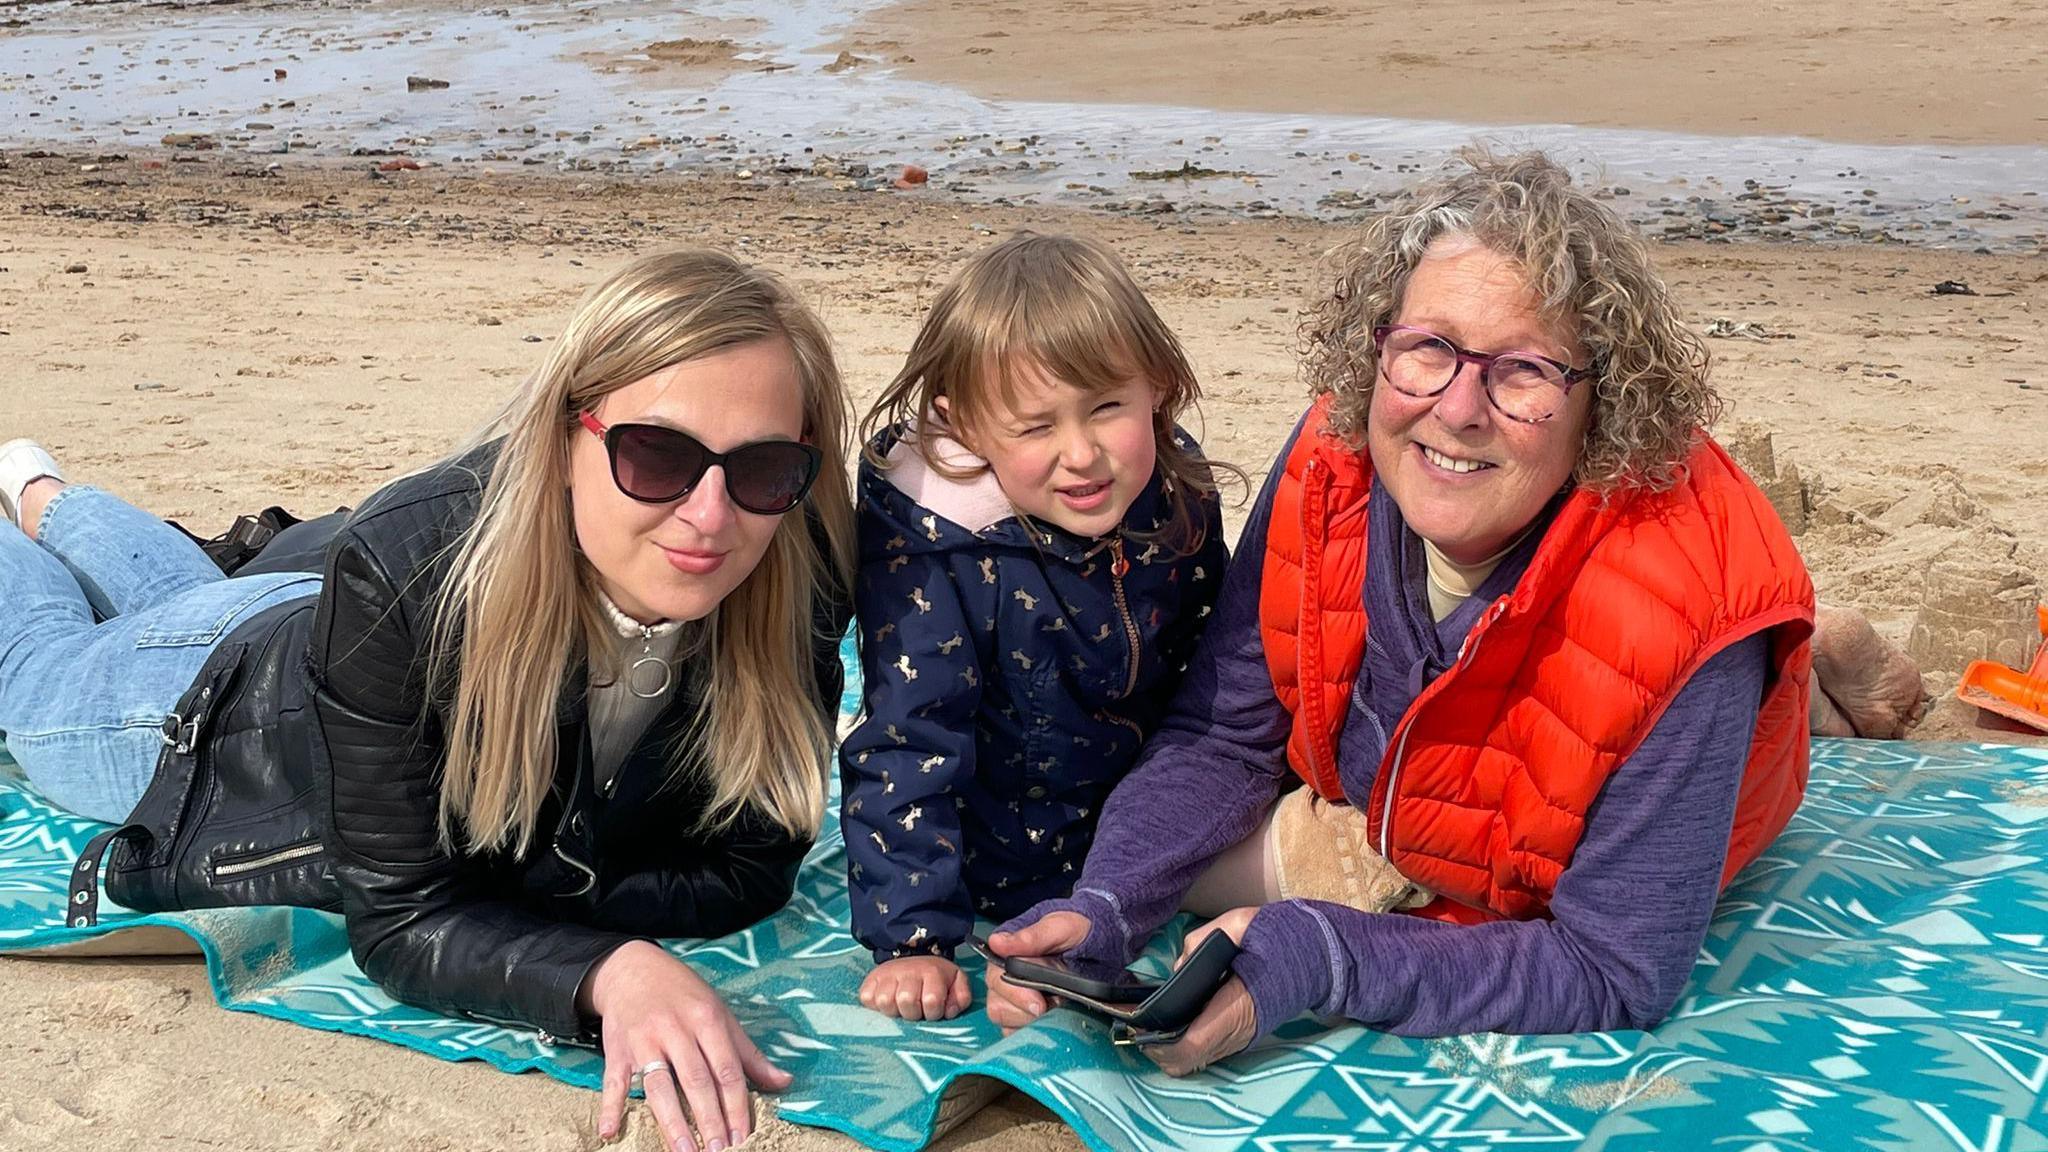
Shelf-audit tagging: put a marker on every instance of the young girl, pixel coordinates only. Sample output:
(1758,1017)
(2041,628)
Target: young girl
(1039,546)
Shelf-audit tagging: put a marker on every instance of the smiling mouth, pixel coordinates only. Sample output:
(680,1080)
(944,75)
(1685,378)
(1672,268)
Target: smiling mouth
(1452,463)
(1083,491)
(691,561)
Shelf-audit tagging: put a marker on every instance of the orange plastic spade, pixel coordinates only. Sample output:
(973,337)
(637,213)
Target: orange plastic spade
(2021,696)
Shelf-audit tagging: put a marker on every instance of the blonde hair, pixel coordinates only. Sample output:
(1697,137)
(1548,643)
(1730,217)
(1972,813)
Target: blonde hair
(1652,399)
(519,610)
(1070,307)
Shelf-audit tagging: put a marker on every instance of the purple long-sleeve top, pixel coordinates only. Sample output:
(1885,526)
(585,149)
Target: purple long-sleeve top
(1628,914)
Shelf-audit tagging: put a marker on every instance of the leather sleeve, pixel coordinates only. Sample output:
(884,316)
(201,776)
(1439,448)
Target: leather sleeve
(736,881)
(421,922)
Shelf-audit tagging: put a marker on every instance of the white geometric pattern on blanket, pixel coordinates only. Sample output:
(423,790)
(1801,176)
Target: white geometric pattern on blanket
(1881,976)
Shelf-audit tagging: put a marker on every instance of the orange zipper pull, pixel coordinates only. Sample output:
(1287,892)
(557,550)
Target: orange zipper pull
(1118,566)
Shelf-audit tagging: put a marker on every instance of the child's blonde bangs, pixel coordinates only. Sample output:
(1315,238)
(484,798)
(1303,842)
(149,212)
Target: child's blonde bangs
(1075,341)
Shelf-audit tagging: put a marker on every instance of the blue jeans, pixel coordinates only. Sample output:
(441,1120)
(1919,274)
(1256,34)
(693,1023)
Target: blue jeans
(105,620)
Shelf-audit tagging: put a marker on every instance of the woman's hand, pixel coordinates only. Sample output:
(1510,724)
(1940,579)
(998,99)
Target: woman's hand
(1223,1029)
(1231,923)
(1012,1007)
(917,988)
(664,1021)
(1228,1023)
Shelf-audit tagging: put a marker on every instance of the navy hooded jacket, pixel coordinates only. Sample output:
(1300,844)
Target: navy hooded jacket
(1011,675)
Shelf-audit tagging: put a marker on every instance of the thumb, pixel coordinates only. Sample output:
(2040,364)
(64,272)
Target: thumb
(1057,932)
(757,1066)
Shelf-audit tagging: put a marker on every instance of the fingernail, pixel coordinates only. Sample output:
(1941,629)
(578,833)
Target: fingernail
(717,1145)
(608,1133)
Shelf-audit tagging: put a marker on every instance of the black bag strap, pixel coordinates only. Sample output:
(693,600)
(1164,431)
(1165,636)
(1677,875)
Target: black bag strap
(83,910)
(244,540)
(184,732)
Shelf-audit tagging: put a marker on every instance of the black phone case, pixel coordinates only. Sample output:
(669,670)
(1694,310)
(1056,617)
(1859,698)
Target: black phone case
(1019,970)
(1163,1016)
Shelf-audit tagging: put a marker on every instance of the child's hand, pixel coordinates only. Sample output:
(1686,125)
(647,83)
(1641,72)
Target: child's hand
(917,988)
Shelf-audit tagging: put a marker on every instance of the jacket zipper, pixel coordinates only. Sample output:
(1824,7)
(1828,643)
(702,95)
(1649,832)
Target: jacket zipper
(200,798)
(589,875)
(546,1037)
(1118,566)
(1392,775)
(233,868)
(1322,758)
(1108,717)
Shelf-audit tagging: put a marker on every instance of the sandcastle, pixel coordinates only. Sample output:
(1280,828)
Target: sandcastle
(1749,442)
(1971,611)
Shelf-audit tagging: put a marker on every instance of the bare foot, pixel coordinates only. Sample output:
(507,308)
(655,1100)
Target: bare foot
(1861,679)
(1823,718)
(34,498)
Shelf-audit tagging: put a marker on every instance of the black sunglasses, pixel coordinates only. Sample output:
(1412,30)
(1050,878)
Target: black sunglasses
(656,464)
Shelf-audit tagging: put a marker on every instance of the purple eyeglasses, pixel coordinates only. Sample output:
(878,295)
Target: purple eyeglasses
(1522,386)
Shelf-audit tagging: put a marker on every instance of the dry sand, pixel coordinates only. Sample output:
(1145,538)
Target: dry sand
(1915,71)
(235,339)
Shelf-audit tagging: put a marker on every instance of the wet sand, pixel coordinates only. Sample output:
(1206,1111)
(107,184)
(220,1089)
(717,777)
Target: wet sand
(1920,71)
(1218,107)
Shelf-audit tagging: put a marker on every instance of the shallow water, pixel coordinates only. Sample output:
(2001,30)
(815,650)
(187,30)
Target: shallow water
(570,87)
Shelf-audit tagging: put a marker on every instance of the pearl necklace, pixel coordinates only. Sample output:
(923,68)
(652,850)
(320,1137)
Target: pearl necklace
(628,628)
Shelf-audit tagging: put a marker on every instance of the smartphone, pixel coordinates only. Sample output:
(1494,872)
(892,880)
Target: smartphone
(1142,1010)
(1162,1018)
(1055,974)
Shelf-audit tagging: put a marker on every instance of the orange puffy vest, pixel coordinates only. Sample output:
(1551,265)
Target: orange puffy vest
(1483,791)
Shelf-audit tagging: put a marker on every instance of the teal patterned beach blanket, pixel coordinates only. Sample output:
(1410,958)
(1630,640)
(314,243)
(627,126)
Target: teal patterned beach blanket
(1878,979)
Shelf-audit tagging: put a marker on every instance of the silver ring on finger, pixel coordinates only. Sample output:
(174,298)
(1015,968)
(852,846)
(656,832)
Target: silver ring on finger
(641,1073)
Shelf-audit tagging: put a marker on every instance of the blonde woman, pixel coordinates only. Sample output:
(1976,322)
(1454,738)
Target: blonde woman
(565,693)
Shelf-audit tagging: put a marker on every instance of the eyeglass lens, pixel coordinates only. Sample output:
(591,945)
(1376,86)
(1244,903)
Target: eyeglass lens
(1422,364)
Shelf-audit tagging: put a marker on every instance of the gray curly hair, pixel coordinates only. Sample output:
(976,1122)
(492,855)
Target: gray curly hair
(1652,400)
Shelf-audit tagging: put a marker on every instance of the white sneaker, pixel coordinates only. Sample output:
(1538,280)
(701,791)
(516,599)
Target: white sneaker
(22,463)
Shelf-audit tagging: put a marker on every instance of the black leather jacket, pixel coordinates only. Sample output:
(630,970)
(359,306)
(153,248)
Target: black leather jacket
(302,768)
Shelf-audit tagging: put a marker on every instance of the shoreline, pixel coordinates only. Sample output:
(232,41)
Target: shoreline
(1831,72)
(610,91)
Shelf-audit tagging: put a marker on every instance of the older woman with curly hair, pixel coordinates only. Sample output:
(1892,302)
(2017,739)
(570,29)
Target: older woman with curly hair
(1510,676)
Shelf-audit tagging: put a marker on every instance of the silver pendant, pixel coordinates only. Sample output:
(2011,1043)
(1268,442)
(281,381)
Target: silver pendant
(636,678)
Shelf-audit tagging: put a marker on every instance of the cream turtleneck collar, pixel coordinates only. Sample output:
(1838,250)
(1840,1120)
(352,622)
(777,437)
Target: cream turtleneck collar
(621,710)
